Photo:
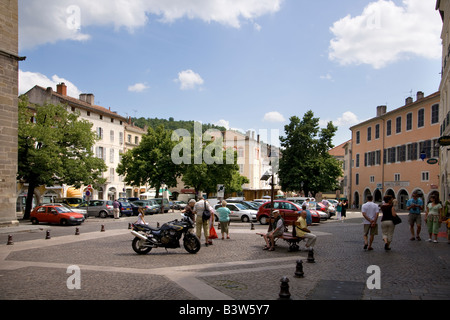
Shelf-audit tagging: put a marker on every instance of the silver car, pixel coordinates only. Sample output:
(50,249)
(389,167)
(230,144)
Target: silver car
(239,212)
(151,207)
(98,208)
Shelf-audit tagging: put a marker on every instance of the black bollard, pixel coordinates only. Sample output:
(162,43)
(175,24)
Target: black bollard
(47,235)
(103,228)
(10,240)
(129,225)
(311,256)
(77,231)
(252,226)
(284,289)
(157,224)
(299,269)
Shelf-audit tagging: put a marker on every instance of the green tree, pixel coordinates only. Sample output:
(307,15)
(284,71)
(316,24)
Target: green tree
(305,163)
(54,148)
(150,162)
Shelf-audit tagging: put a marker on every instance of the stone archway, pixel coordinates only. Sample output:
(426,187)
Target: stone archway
(402,197)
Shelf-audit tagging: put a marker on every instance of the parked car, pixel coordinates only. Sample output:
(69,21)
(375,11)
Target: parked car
(160,201)
(73,202)
(135,209)
(247,204)
(239,212)
(179,205)
(125,208)
(320,208)
(99,208)
(289,211)
(55,214)
(151,207)
(73,209)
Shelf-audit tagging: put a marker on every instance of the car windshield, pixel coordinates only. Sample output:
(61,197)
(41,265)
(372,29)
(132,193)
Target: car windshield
(124,204)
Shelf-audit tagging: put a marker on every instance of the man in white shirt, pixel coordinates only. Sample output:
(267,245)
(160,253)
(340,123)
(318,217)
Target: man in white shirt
(199,207)
(370,212)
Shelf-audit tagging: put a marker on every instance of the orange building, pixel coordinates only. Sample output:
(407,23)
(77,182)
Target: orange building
(396,152)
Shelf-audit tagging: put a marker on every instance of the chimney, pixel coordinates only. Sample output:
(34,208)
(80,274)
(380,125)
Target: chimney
(408,100)
(381,110)
(61,88)
(87,97)
(419,95)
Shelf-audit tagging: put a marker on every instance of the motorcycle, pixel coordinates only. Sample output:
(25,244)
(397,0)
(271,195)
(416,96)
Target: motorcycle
(167,236)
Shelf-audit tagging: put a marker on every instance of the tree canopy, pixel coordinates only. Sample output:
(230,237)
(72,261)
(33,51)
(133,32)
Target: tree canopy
(55,148)
(305,163)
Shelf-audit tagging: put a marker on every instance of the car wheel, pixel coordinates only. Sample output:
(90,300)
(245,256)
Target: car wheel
(245,219)
(63,222)
(34,221)
(103,214)
(263,220)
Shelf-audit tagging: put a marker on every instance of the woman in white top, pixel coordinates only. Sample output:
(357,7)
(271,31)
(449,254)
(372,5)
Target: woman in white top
(140,219)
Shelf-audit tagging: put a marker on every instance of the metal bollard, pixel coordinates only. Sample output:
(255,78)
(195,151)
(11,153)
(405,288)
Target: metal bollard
(47,235)
(10,240)
(252,226)
(311,256)
(299,269)
(129,225)
(77,231)
(284,289)
(103,228)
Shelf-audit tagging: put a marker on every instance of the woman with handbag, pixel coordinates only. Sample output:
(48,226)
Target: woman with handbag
(433,217)
(387,221)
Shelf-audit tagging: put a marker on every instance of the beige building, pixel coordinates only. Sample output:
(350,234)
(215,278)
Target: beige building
(9,68)
(110,128)
(443,6)
(396,152)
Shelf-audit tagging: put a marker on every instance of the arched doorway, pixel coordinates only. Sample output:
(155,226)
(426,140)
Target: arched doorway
(356,200)
(377,196)
(367,193)
(402,199)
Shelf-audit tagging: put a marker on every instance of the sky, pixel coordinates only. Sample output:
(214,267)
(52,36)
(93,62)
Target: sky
(242,64)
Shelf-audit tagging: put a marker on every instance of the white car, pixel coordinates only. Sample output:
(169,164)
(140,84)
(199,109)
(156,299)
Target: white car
(238,212)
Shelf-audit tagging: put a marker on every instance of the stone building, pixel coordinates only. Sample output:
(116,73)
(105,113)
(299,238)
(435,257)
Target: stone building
(9,66)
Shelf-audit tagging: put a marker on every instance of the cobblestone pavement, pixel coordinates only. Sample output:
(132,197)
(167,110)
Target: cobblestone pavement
(235,269)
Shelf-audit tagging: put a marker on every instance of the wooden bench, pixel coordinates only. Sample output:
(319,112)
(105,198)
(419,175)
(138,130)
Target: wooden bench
(289,237)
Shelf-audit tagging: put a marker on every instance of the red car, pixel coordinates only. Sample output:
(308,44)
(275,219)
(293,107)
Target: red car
(289,211)
(56,215)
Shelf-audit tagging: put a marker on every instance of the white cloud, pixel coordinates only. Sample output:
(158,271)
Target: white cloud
(189,80)
(48,21)
(347,119)
(138,87)
(274,116)
(27,80)
(385,33)
(327,77)
(223,123)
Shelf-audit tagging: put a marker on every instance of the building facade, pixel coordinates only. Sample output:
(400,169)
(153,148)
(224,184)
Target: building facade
(9,68)
(110,129)
(443,6)
(396,152)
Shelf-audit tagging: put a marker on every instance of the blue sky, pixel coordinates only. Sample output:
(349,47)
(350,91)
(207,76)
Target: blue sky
(247,64)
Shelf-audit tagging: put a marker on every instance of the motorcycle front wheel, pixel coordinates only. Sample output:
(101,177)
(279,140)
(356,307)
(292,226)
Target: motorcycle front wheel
(138,246)
(191,243)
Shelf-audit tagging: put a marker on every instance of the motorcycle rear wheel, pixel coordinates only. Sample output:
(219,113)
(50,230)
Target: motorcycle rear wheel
(138,246)
(191,243)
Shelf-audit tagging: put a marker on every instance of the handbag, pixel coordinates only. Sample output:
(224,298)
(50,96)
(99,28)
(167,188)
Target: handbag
(396,219)
(206,214)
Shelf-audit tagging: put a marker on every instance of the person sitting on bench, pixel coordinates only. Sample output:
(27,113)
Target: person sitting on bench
(303,231)
(277,231)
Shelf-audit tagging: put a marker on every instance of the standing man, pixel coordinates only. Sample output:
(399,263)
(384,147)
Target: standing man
(415,206)
(370,212)
(199,207)
(116,209)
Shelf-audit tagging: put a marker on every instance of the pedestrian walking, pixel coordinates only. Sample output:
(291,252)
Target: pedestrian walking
(301,230)
(344,209)
(387,223)
(202,221)
(415,207)
(116,209)
(370,212)
(433,217)
(224,219)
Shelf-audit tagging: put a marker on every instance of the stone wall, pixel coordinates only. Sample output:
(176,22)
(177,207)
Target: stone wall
(8,110)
